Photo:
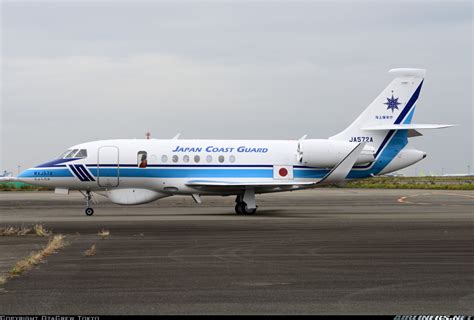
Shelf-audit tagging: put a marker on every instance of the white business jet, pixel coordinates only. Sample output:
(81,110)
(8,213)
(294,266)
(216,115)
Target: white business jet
(132,172)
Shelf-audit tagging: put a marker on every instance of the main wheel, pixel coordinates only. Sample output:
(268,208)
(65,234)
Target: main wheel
(89,211)
(247,210)
(239,208)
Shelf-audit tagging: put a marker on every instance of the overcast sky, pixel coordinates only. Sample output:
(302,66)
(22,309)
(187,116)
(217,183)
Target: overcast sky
(79,71)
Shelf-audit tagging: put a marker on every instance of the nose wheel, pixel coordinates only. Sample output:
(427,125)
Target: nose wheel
(89,211)
(88,197)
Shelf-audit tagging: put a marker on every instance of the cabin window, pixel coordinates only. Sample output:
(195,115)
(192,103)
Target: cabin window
(164,158)
(197,158)
(175,158)
(81,154)
(142,160)
(209,159)
(232,158)
(186,158)
(221,159)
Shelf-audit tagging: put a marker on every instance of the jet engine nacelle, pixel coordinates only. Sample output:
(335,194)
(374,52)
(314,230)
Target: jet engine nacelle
(404,158)
(134,196)
(328,153)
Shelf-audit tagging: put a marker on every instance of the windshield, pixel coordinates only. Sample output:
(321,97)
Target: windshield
(81,154)
(70,154)
(63,154)
(73,153)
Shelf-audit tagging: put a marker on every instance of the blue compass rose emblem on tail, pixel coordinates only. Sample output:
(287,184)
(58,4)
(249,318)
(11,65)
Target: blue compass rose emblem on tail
(392,103)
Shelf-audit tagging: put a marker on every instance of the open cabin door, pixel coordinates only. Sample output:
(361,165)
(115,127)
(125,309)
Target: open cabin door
(108,172)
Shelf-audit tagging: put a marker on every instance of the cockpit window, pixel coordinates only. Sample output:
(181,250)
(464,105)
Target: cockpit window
(74,153)
(81,154)
(70,154)
(62,155)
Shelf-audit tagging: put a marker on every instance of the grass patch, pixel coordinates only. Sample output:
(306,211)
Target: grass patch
(41,231)
(103,233)
(14,231)
(20,186)
(55,243)
(432,183)
(37,230)
(91,251)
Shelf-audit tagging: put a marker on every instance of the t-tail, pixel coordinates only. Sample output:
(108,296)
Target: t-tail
(386,125)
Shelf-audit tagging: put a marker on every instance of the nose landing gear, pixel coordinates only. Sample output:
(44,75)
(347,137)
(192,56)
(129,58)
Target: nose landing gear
(88,197)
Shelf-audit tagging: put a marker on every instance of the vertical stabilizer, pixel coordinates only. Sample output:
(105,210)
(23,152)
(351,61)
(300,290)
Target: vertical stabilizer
(394,105)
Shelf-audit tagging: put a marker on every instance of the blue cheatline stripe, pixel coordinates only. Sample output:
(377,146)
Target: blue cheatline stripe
(197,166)
(183,173)
(124,165)
(55,173)
(410,116)
(310,174)
(86,173)
(77,173)
(307,173)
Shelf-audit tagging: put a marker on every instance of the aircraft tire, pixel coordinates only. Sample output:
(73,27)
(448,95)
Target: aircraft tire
(89,211)
(239,208)
(248,211)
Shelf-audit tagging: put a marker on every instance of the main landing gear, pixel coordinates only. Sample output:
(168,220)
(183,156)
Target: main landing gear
(246,204)
(88,197)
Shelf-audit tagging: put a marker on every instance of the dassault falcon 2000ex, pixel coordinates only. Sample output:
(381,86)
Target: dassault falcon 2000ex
(132,172)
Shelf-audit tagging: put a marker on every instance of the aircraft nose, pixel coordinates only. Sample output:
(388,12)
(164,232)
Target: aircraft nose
(25,173)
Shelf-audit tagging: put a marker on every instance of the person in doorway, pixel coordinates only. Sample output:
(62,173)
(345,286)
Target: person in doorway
(143,161)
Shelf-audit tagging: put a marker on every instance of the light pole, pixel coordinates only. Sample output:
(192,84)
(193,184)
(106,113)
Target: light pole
(19,168)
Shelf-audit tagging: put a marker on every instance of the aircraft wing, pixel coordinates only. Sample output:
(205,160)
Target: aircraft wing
(337,174)
(197,183)
(211,185)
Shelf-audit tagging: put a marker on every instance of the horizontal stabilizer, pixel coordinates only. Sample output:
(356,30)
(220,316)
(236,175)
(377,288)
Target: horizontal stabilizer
(413,126)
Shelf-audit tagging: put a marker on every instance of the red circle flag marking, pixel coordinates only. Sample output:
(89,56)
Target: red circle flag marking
(283,172)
